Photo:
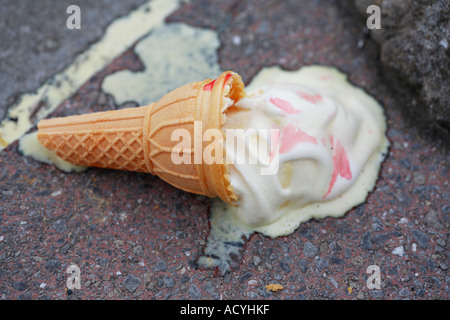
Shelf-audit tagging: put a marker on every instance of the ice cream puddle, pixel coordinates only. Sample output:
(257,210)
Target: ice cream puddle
(330,145)
(29,146)
(312,148)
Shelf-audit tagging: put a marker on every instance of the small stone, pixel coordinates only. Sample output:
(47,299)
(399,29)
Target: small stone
(103,262)
(432,220)
(380,238)
(404,292)
(236,39)
(56,193)
(194,292)
(377,294)
(419,177)
(160,266)
(357,261)
(60,225)
(37,258)
(322,263)
(421,238)
(131,282)
(440,242)
(52,265)
(360,295)
(323,247)
(256,260)
(19,286)
(399,251)
(137,250)
(302,263)
(168,281)
(366,241)
(310,250)
(420,292)
(334,282)
(7,193)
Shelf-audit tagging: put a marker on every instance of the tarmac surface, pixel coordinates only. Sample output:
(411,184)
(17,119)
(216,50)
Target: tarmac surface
(134,236)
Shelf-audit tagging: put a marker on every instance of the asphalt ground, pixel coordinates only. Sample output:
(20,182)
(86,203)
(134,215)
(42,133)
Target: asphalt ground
(135,237)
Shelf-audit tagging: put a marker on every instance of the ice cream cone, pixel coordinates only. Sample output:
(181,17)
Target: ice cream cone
(140,139)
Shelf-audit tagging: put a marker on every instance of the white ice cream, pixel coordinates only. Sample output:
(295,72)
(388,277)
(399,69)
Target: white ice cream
(328,151)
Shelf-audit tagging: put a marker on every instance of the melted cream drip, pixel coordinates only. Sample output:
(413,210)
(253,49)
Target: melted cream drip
(231,225)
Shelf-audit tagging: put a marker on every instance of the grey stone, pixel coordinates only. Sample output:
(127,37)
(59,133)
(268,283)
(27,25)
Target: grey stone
(131,283)
(404,292)
(194,292)
(52,265)
(160,266)
(302,263)
(421,238)
(432,219)
(19,286)
(377,294)
(310,250)
(414,39)
(168,281)
(60,225)
(322,263)
(366,241)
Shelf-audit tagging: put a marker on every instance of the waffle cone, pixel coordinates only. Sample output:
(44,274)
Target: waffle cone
(140,139)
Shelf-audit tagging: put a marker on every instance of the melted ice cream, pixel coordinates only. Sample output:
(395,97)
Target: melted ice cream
(326,151)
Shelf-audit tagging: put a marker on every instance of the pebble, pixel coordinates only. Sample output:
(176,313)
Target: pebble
(418,177)
(404,292)
(302,263)
(432,220)
(168,281)
(310,250)
(19,286)
(399,251)
(360,295)
(194,292)
(60,225)
(377,294)
(131,282)
(236,39)
(357,261)
(366,241)
(52,265)
(160,266)
(334,282)
(322,263)
(421,238)
(56,193)
(7,193)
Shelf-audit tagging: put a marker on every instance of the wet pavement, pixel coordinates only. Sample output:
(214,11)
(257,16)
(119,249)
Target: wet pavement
(135,237)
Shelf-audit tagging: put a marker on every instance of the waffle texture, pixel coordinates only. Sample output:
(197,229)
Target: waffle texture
(140,139)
